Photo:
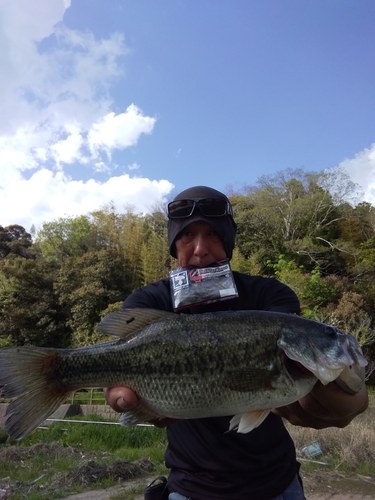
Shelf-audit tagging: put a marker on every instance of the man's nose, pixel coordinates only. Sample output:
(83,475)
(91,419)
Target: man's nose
(200,246)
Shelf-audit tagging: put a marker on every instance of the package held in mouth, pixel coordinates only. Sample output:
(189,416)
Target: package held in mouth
(202,285)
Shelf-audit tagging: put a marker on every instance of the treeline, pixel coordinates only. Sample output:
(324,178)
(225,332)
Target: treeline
(55,286)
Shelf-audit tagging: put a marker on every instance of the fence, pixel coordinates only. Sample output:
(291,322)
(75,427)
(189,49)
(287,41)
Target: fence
(87,397)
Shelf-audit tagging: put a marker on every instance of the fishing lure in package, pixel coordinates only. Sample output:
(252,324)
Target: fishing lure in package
(202,285)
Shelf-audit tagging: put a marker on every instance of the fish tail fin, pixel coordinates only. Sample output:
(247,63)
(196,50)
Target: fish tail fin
(24,374)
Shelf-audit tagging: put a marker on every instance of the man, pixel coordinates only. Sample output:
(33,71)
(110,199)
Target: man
(206,462)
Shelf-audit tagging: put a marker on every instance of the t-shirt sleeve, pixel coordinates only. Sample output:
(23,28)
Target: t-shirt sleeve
(266,294)
(279,297)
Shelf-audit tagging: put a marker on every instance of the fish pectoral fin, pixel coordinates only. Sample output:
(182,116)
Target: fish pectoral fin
(138,415)
(250,379)
(246,422)
(126,323)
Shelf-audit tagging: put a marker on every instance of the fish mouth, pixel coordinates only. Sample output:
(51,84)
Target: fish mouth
(296,370)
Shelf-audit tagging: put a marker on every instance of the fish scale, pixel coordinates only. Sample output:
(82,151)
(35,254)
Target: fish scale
(241,363)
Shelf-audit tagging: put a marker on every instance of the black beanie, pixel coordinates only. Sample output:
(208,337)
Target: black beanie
(225,226)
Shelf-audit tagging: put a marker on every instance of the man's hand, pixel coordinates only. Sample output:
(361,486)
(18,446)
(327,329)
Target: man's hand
(325,406)
(122,399)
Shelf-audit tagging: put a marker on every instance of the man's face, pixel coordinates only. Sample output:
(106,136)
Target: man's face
(198,245)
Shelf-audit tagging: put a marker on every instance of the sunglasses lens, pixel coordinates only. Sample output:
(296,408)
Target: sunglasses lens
(213,208)
(209,207)
(180,209)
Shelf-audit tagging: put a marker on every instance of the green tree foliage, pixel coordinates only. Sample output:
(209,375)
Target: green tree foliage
(363,273)
(86,286)
(66,237)
(288,272)
(291,213)
(14,239)
(29,308)
(320,292)
(83,267)
(155,258)
(132,237)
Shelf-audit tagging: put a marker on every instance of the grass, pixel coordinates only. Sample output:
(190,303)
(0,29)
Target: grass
(97,437)
(350,450)
(127,443)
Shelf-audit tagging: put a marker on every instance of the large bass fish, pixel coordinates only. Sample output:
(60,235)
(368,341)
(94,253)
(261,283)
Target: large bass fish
(241,363)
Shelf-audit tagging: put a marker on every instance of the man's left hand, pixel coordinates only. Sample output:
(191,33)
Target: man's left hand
(325,406)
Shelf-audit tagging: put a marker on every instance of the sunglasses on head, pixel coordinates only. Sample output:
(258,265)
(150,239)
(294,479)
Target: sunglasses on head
(209,207)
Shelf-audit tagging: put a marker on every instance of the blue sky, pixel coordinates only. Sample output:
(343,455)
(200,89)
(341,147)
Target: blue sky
(132,101)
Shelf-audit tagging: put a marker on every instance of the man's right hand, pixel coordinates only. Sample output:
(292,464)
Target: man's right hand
(122,399)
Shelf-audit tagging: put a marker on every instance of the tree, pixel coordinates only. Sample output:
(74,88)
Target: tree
(132,238)
(29,308)
(14,239)
(66,237)
(296,214)
(155,258)
(86,286)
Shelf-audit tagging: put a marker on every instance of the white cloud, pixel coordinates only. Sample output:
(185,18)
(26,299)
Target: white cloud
(119,131)
(67,150)
(361,170)
(60,90)
(66,87)
(47,196)
(56,111)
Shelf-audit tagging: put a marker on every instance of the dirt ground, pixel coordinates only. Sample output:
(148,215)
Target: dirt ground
(327,485)
(323,485)
(318,486)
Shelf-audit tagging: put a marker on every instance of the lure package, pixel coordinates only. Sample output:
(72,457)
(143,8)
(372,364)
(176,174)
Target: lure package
(193,285)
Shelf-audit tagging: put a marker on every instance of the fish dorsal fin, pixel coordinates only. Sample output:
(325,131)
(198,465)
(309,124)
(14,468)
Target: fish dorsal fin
(126,323)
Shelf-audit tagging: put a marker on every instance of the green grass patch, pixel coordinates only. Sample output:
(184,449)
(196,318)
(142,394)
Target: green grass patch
(45,464)
(98,437)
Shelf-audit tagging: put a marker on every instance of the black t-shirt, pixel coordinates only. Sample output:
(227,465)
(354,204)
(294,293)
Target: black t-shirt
(206,462)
